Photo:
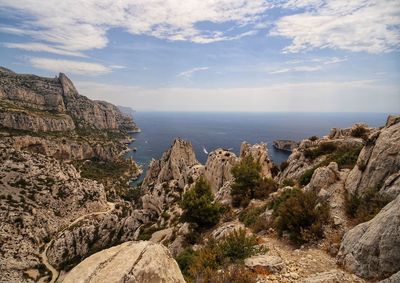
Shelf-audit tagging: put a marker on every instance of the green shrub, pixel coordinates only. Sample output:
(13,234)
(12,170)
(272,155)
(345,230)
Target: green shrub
(322,149)
(359,132)
(362,208)
(249,183)
(233,249)
(300,214)
(313,138)
(247,174)
(199,206)
(185,259)
(264,188)
(250,215)
(305,178)
(345,157)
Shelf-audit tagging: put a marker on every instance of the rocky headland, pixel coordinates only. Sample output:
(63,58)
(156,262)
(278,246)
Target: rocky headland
(69,213)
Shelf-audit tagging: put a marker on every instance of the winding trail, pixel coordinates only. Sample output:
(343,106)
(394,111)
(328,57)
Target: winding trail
(54,272)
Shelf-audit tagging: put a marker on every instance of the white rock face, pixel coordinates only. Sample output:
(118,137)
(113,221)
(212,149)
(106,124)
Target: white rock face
(372,249)
(323,177)
(173,165)
(378,160)
(129,262)
(218,168)
(260,154)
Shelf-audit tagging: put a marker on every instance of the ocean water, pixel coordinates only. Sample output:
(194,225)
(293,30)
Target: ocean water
(210,131)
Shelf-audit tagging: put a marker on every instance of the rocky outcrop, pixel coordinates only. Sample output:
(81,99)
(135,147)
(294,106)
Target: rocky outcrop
(285,145)
(66,148)
(38,196)
(378,160)
(93,234)
(33,103)
(298,162)
(372,249)
(218,168)
(173,165)
(259,152)
(328,182)
(36,122)
(128,262)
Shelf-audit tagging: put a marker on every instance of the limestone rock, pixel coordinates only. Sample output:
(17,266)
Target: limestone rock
(33,103)
(226,228)
(175,164)
(378,160)
(331,276)
(372,249)
(33,122)
(128,262)
(286,145)
(272,264)
(323,177)
(218,168)
(298,163)
(260,154)
(38,196)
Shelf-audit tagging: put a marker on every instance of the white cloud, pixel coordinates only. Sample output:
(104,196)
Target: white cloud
(310,65)
(297,69)
(358,25)
(77,25)
(189,73)
(322,96)
(68,66)
(39,47)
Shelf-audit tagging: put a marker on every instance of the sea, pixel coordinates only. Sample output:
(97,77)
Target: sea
(208,131)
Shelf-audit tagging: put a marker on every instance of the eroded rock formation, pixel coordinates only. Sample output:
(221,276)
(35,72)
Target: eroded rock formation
(128,262)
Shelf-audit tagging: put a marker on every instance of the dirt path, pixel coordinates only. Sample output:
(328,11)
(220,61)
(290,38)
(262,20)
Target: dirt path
(304,265)
(43,255)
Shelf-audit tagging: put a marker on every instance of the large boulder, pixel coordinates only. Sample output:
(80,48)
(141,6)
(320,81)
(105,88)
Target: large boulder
(378,160)
(372,249)
(129,262)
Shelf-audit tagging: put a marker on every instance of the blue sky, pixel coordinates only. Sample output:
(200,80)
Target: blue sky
(214,55)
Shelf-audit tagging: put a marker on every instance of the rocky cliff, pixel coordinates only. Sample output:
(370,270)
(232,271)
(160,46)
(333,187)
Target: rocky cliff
(29,102)
(38,196)
(378,164)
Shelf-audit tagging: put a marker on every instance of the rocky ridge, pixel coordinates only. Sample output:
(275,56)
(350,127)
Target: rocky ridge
(29,102)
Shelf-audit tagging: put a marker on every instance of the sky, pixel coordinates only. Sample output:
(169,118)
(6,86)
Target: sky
(213,55)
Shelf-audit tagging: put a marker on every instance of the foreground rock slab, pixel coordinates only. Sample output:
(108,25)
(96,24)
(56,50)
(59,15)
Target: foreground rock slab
(128,262)
(372,249)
